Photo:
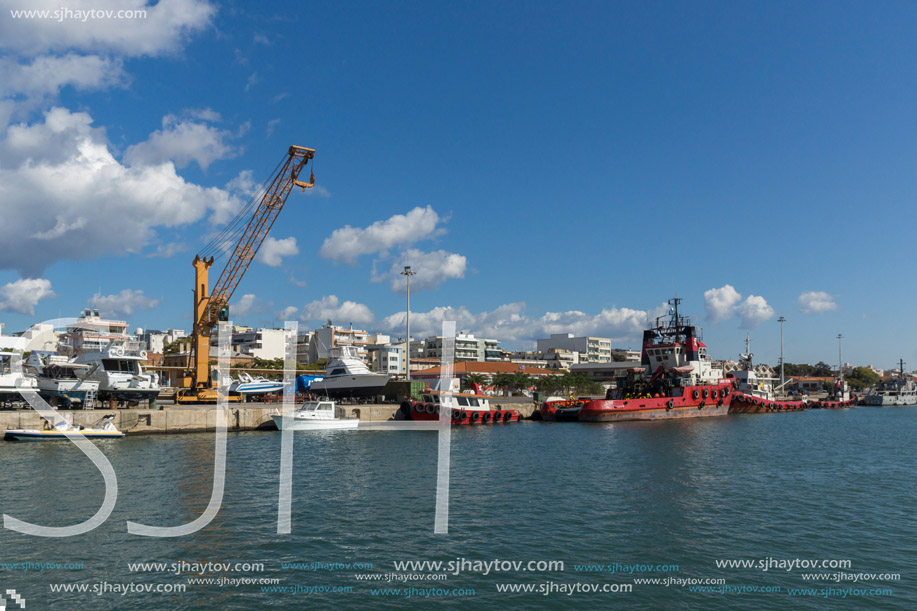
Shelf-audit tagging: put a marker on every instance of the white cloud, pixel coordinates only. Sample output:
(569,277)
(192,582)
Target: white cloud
(816,302)
(330,307)
(122,304)
(271,126)
(164,27)
(24,294)
(430,268)
(204,114)
(182,141)
(247,304)
(272,251)
(164,251)
(754,310)
(721,303)
(252,81)
(348,243)
(510,322)
(288,313)
(59,179)
(47,75)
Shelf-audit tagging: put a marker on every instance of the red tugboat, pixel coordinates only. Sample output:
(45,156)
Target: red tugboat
(556,409)
(677,379)
(466,408)
(754,390)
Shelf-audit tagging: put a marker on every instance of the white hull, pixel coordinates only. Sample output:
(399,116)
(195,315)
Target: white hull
(365,385)
(296,424)
(36,435)
(891,400)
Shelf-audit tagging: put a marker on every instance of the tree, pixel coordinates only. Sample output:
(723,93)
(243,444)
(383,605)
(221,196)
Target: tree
(512,382)
(822,370)
(469,380)
(862,377)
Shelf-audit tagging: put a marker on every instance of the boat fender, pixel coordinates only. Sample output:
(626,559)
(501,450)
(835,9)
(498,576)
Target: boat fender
(497,416)
(462,415)
(485,417)
(578,404)
(418,407)
(474,417)
(719,403)
(406,406)
(695,394)
(428,407)
(669,405)
(706,393)
(701,406)
(507,416)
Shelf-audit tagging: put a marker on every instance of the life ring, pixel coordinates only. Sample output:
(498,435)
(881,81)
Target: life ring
(695,394)
(507,416)
(117,351)
(474,417)
(485,417)
(143,354)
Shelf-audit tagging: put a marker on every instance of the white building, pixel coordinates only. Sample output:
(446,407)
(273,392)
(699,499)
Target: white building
(265,344)
(591,349)
(466,348)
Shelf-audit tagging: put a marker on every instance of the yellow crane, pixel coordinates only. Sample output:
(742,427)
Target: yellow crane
(213,307)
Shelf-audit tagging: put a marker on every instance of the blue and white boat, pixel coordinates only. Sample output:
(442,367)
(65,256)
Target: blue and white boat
(248,385)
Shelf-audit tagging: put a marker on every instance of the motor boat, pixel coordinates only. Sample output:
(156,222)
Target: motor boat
(315,416)
(348,376)
(259,385)
(103,428)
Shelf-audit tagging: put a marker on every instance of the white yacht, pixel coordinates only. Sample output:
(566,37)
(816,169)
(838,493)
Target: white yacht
(115,356)
(316,416)
(60,382)
(348,376)
(9,391)
(258,385)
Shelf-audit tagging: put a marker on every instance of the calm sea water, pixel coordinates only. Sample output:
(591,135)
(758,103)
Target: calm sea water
(673,498)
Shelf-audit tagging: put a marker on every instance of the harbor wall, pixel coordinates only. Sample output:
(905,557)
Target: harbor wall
(194,419)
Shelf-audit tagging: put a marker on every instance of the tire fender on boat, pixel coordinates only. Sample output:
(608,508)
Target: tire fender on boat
(497,415)
(485,417)
(507,416)
(474,417)
(669,405)
(701,406)
(418,407)
(695,394)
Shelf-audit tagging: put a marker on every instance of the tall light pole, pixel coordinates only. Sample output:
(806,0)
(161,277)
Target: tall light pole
(840,361)
(407,342)
(781,320)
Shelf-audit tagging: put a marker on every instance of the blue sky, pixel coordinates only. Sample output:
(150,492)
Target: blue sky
(546,166)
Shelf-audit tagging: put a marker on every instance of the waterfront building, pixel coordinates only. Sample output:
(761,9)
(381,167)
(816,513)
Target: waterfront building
(591,349)
(466,348)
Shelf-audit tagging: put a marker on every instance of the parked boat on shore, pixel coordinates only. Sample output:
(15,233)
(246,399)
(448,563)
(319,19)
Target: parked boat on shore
(11,382)
(246,384)
(676,380)
(348,376)
(60,382)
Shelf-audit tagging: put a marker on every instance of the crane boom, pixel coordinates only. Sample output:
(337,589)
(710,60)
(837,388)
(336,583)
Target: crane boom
(211,308)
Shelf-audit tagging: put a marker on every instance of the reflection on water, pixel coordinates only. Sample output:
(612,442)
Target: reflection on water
(817,484)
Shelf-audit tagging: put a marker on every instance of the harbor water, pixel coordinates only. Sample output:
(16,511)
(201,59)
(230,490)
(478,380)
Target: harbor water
(805,510)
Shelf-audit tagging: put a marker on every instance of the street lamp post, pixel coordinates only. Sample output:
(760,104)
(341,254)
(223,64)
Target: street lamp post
(781,320)
(407,342)
(840,361)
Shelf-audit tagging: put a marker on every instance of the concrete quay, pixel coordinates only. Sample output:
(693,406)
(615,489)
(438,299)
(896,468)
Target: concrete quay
(202,418)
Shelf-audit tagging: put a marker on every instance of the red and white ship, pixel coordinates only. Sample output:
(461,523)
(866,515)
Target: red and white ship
(677,379)
(754,389)
(465,408)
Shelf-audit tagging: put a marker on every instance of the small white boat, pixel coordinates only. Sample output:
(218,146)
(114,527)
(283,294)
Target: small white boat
(316,416)
(103,428)
(247,385)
